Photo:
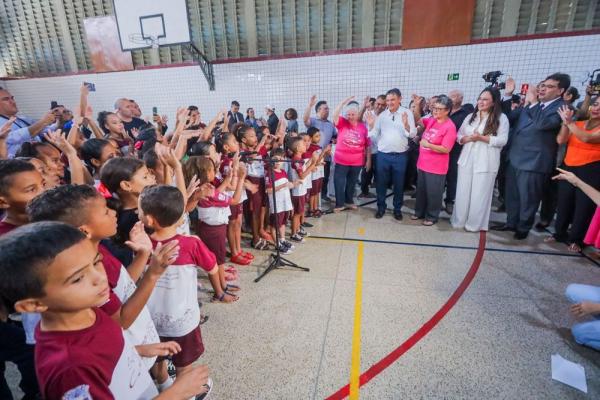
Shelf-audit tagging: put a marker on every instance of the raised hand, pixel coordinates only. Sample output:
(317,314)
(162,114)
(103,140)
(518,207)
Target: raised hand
(367,101)
(167,156)
(313,100)
(416,98)
(510,86)
(6,128)
(139,241)
(193,186)
(566,114)
(405,121)
(348,100)
(242,171)
(59,139)
(531,96)
(163,256)
(206,190)
(370,118)
(49,117)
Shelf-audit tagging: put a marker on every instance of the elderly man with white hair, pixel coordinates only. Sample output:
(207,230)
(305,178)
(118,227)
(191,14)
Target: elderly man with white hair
(126,111)
(457,115)
(352,152)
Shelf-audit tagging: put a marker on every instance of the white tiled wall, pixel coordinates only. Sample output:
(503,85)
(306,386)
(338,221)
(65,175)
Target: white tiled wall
(290,82)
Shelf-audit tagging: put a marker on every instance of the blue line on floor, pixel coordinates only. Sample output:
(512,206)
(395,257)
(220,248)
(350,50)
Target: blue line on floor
(448,246)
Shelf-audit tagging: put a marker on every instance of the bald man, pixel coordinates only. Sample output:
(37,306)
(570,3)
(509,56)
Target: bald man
(126,111)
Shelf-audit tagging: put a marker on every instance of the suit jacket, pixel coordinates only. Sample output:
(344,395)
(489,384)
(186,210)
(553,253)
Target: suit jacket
(533,137)
(232,121)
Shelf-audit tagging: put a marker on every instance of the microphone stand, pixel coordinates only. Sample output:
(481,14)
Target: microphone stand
(277,261)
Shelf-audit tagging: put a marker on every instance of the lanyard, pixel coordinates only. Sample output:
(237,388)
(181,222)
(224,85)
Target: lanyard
(18,119)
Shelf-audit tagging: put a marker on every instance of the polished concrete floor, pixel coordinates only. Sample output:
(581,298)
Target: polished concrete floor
(290,335)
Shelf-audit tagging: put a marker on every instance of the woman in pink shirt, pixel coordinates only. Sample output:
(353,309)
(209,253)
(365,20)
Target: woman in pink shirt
(434,154)
(352,153)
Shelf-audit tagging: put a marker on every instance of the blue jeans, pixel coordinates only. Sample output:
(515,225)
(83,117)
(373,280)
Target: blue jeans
(344,180)
(390,166)
(585,333)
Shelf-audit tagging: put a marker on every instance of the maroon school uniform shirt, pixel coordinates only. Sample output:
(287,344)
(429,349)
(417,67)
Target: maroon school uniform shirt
(112,266)
(173,303)
(5,227)
(93,363)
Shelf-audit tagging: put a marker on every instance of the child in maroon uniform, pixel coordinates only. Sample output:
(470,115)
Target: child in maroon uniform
(228,146)
(173,303)
(300,171)
(318,172)
(283,200)
(246,136)
(81,353)
(214,212)
(83,207)
(19,183)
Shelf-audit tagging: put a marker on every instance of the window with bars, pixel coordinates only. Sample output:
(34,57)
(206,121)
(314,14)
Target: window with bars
(47,36)
(495,18)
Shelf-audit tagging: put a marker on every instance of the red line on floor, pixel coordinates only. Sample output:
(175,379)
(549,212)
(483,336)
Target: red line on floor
(385,362)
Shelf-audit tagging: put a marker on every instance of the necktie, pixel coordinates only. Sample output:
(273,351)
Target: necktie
(542,106)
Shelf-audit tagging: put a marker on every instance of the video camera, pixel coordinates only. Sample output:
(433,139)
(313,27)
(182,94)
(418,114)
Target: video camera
(595,81)
(492,79)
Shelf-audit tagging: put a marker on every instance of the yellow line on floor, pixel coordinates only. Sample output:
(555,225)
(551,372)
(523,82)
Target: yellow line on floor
(355,363)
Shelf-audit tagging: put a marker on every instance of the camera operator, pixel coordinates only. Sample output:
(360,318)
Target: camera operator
(532,151)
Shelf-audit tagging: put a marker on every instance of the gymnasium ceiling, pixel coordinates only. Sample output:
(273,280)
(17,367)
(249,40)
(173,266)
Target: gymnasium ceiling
(44,37)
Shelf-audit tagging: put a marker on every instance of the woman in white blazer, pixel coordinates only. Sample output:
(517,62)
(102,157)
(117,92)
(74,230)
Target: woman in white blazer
(482,134)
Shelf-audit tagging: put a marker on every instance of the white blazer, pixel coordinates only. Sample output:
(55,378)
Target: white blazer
(485,157)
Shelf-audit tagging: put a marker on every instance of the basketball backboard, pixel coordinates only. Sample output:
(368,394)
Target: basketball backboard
(151,23)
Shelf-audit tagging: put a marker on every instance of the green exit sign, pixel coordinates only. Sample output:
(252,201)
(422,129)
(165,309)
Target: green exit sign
(453,77)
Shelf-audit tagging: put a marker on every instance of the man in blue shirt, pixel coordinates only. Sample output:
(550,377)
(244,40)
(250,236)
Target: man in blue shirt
(24,129)
(327,129)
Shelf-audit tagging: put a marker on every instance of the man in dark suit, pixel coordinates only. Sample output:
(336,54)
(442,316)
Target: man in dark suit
(234,114)
(532,152)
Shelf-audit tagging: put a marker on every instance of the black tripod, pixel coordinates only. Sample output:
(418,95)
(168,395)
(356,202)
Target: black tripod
(277,261)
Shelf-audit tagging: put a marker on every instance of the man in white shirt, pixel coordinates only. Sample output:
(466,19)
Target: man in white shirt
(392,130)
(24,129)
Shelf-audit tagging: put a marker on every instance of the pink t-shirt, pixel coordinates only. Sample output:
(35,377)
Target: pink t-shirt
(351,143)
(443,134)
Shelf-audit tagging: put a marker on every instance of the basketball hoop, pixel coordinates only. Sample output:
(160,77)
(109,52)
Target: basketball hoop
(151,41)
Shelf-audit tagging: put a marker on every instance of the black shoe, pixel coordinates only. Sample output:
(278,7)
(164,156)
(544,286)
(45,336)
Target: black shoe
(398,216)
(520,235)
(306,225)
(502,228)
(379,214)
(542,225)
(501,208)
(449,208)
